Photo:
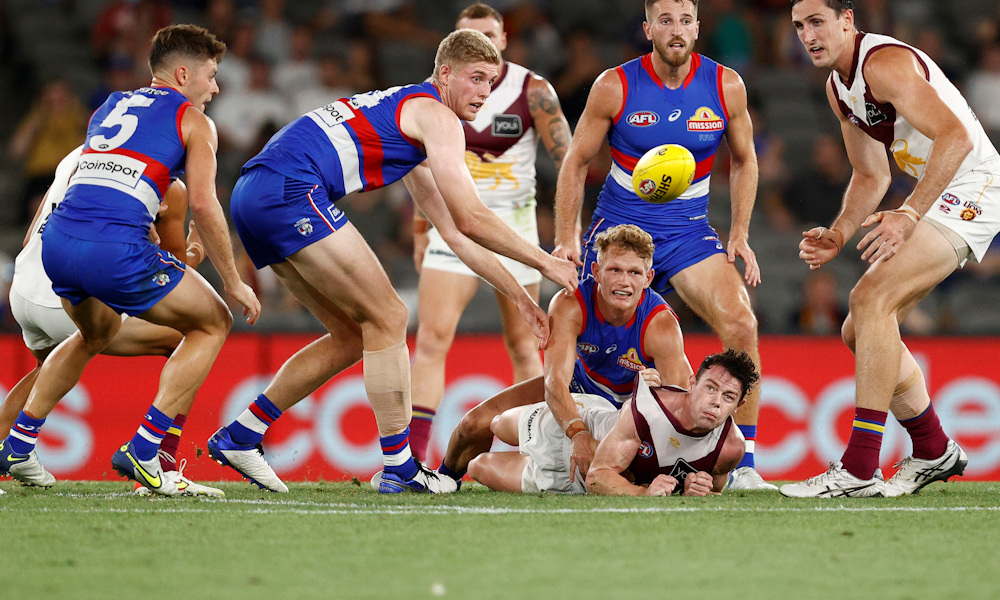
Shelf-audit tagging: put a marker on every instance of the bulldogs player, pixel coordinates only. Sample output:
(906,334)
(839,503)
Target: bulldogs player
(501,146)
(674,95)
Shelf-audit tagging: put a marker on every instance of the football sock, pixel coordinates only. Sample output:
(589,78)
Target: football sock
(444,470)
(249,427)
(24,433)
(929,439)
(396,455)
(420,431)
(168,447)
(750,434)
(861,456)
(150,433)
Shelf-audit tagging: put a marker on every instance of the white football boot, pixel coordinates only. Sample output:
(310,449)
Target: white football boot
(915,473)
(836,483)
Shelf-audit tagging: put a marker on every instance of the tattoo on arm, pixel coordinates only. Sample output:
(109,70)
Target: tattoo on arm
(549,119)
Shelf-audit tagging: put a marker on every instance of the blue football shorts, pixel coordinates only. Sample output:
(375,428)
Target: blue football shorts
(130,277)
(276,216)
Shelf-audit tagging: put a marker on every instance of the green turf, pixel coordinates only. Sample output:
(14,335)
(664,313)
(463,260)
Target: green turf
(85,540)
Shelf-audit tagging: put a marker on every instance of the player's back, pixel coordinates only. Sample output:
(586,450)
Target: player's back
(608,357)
(349,145)
(134,147)
(652,114)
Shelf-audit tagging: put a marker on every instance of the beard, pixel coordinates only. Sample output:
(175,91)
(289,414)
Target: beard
(671,57)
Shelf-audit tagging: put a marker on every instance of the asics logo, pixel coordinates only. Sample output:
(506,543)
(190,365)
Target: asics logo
(152,481)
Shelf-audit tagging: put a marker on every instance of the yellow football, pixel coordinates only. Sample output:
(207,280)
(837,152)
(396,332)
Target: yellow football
(663,173)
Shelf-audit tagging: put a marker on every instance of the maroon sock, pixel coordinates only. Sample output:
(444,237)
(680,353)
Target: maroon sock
(861,456)
(420,431)
(929,439)
(170,443)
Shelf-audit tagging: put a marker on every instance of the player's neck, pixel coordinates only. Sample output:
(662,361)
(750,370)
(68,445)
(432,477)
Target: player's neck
(612,316)
(846,59)
(672,76)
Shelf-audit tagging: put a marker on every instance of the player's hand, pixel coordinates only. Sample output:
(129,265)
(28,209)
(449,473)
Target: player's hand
(663,485)
(420,243)
(651,376)
(698,484)
(819,245)
(194,247)
(538,319)
(153,235)
(245,295)
(584,446)
(883,242)
(561,271)
(569,252)
(738,246)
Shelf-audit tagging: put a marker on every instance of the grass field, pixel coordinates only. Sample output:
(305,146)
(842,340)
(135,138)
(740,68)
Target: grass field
(86,540)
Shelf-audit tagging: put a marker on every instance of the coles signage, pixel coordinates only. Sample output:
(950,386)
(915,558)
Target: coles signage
(806,406)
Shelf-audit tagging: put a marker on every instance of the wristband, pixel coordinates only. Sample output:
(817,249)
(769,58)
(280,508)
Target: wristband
(909,211)
(421,225)
(837,233)
(575,428)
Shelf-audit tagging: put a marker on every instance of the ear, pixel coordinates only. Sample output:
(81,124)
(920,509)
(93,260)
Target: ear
(645,29)
(594,269)
(649,278)
(691,380)
(182,74)
(444,74)
(848,19)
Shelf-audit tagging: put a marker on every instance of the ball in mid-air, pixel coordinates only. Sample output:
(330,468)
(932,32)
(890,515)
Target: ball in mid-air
(663,173)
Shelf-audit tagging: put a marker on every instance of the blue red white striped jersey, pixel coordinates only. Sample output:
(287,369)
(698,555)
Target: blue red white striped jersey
(133,150)
(693,116)
(349,145)
(609,357)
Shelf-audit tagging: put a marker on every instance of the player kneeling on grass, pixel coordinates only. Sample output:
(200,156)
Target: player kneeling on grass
(665,440)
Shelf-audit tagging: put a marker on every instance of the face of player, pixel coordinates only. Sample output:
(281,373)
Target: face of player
(714,396)
(824,34)
(621,277)
(673,28)
(200,85)
(466,89)
(489,27)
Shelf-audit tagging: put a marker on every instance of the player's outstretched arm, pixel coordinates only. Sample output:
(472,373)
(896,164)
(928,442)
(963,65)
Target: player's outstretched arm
(566,321)
(869,181)
(435,126)
(202,142)
(742,174)
(603,103)
(425,194)
(614,455)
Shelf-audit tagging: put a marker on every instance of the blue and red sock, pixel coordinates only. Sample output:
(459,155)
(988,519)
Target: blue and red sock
(24,433)
(861,456)
(150,433)
(750,435)
(396,455)
(249,428)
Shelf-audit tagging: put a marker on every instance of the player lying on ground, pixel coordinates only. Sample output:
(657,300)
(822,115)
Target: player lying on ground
(665,440)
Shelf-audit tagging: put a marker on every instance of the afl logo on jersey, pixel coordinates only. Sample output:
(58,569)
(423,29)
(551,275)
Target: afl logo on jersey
(585,348)
(645,450)
(643,118)
(705,119)
(950,199)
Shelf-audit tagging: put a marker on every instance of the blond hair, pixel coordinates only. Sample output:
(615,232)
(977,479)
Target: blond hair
(463,47)
(625,238)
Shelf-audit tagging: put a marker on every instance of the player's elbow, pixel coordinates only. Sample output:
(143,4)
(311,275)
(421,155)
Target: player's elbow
(469,224)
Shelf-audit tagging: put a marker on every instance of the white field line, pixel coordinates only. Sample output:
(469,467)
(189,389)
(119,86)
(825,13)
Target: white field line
(317,508)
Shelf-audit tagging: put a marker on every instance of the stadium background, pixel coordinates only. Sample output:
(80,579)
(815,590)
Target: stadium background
(59,58)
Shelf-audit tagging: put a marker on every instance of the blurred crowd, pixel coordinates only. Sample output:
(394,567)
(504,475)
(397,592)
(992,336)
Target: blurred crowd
(288,57)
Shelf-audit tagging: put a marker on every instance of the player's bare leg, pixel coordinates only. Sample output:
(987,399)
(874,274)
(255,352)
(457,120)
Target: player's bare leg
(521,343)
(886,290)
(443,297)
(16,398)
(714,289)
(500,471)
(473,435)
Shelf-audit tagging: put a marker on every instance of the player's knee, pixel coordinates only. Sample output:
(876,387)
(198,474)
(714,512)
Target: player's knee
(847,333)
(523,352)
(477,466)
(495,424)
(740,331)
(475,425)
(389,315)
(866,298)
(433,340)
